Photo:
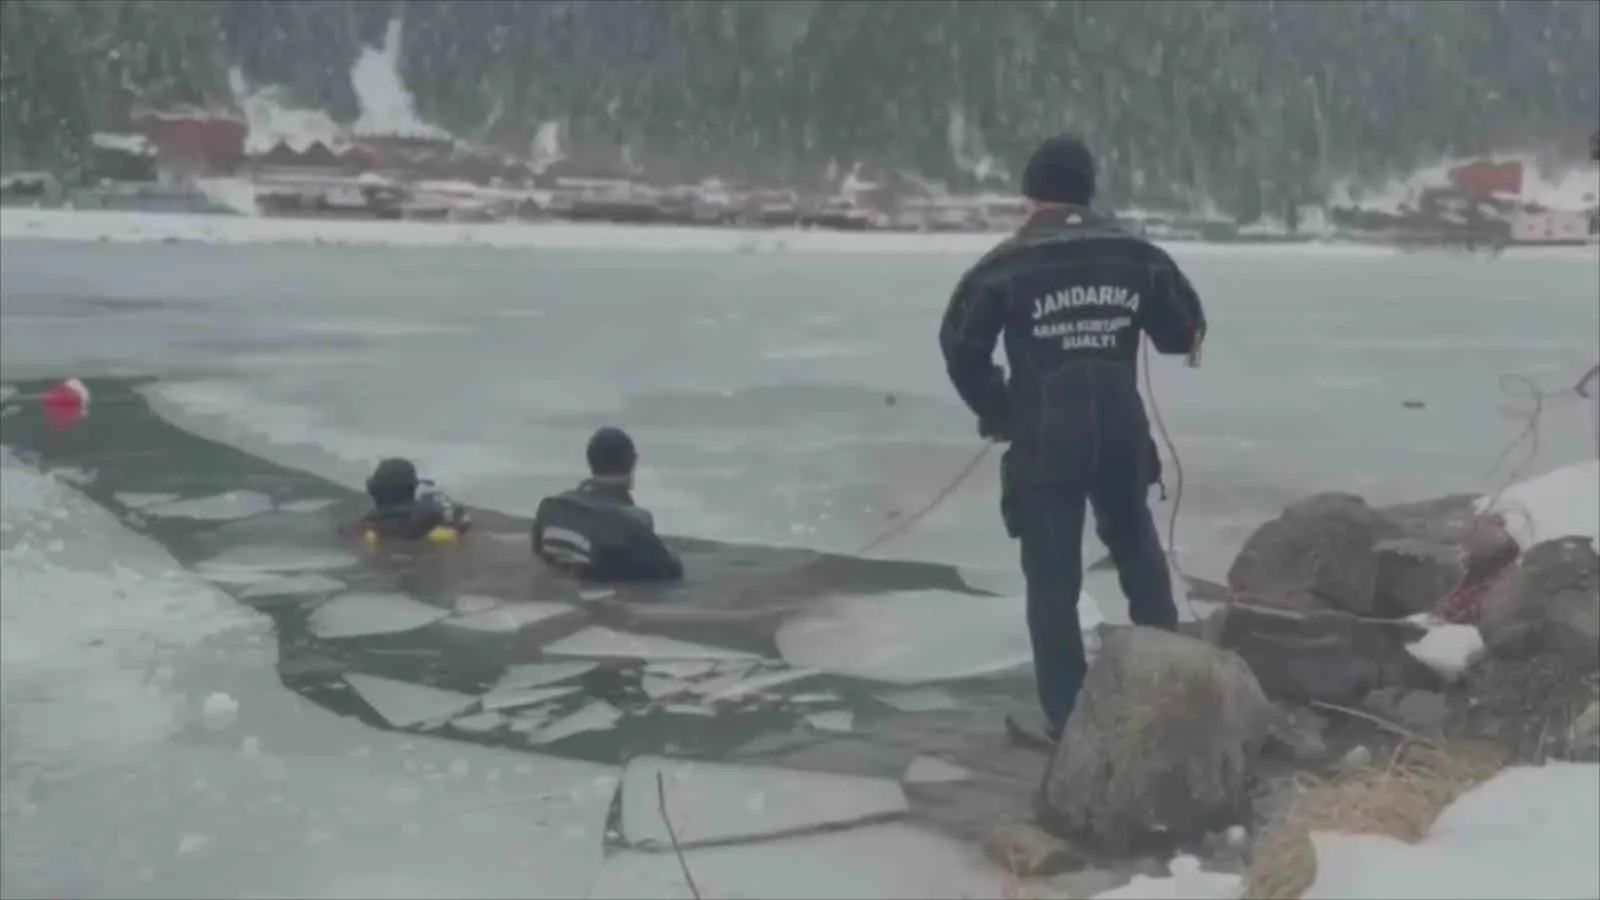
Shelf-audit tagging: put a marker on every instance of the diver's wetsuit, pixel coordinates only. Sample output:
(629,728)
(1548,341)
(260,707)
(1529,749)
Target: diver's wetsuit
(597,532)
(1072,293)
(415,519)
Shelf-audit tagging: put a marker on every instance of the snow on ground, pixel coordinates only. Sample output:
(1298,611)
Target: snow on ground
(387,107)
(1448,649)
(1573,188)
(890,860)
(1527,832)
(136,227)
(150,750)
(116,780)
(93,616)
(1185,881)
(271,119)
(1559,503)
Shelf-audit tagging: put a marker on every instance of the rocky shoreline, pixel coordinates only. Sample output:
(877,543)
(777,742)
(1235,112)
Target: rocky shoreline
(1325,659)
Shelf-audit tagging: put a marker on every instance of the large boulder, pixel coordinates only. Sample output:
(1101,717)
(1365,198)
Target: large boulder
(1326,655)
(1318,554)
(1414,574)
(1561,584)
(1547,604)
(1162,743)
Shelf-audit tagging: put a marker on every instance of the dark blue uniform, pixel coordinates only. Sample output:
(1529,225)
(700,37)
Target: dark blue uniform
(1072,294)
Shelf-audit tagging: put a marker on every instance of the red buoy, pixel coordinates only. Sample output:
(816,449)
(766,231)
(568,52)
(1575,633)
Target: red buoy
(66,403)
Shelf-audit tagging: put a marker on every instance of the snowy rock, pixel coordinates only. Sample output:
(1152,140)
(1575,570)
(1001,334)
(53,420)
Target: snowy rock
(1324,655)
(1423,712)
(1583,739)
(1561,583)
(220,710)
(1022,849)
(1526,832)
(1355,759)
(1164,739)
(1320,551)
(1449,650)
(1298,732)
(1414,575)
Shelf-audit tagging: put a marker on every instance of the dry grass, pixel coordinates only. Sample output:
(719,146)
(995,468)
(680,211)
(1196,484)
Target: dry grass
(1400,799)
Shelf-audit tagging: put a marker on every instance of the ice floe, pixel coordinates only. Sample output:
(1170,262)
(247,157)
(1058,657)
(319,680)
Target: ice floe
(288,586)
(511,617)
(532,675)
(909,637)
(520,697)
(933,770)
(133,500)
(836,720)
(887,860)
(918,700)
(596,716)
(478,723)
(607,643)
(216,508)
(362,614)
(722,802)
(404,704)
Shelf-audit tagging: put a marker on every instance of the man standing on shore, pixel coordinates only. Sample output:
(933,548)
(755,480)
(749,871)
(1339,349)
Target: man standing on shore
(1072,293)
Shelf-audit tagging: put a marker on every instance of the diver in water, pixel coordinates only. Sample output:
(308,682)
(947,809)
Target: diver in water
(1072,293)
(594,530)
(406,508)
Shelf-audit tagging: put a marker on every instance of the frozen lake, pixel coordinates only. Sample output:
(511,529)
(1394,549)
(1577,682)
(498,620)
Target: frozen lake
(795,398)
(785,398)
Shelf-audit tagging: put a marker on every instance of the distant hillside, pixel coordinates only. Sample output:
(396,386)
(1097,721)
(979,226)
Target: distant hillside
(1244,107)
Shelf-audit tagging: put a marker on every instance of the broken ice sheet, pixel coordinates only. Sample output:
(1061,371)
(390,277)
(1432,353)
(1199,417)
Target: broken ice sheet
(933,770)
(361,614)
(529,675)
(306,506)
(517,697)
(479,723)
(919,700)
(909,637)
(291,586)
(887,860)
(216,508)
(712,802)
(836,720)
(277,559)
(510,616)
(742,684)
(687,668)
(404,704)
(607,643)
(133,500)
(597,716)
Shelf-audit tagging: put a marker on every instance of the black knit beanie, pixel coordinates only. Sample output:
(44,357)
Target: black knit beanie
(394,482)
(611,452)
(1060,171)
